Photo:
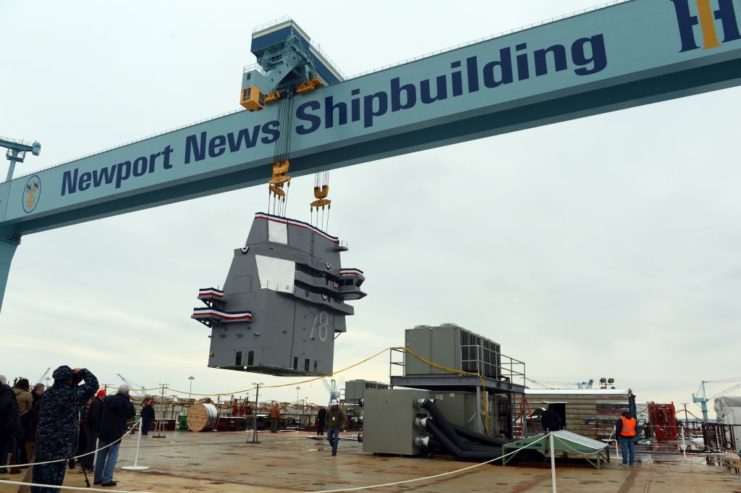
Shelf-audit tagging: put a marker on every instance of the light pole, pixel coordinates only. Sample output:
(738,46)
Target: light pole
(297,408)
(254,413)
(190,388)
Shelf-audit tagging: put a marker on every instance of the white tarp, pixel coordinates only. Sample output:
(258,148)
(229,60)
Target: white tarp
(275,273)
(728,411)
(278,232)
(579,440)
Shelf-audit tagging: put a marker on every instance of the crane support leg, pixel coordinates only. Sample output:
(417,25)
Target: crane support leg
(7,250)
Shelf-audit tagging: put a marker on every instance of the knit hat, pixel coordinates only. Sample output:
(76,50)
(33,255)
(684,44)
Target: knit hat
(62,373)
(123,389)
(100,393)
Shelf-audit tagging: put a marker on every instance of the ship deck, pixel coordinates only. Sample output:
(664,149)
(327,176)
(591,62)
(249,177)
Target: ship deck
(292,462)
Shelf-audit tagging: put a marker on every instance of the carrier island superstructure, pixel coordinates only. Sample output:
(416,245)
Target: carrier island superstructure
(285,289)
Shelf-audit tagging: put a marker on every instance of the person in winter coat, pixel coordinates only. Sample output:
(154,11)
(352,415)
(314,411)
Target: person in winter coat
(117,411)
(92,429)
(321,416)
(59,424)
(148,416)
(625,431)
(550,419)
(335,421)
(274,418)
(23,396)
(25,401)
(30,421)
(11,430)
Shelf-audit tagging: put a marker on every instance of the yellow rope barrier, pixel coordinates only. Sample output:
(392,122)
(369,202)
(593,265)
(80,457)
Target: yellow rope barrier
(349,367)
(276,386)
(453,370)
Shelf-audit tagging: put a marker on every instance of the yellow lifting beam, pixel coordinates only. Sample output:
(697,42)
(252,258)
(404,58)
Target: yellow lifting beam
(309,85)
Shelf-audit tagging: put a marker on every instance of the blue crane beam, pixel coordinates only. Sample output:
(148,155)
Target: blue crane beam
(629,54)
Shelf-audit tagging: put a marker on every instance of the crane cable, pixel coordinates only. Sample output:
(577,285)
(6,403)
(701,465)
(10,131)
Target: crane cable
(281,164)
(321,191)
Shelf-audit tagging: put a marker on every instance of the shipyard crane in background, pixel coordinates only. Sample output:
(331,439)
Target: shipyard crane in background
(133,387)
(16,152)
(700,397)
(43,375)
(615,57)
(332,390)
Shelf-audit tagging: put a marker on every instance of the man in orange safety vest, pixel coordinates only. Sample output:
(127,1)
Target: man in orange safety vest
(625,431)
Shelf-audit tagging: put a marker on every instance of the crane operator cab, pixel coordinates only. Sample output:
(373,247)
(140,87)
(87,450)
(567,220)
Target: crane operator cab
(287,63)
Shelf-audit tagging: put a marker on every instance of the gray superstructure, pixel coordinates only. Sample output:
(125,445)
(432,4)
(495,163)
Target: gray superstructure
(283,301)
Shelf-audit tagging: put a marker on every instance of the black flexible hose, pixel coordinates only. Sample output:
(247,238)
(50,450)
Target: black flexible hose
(442,423)
(461,454)
(478,437)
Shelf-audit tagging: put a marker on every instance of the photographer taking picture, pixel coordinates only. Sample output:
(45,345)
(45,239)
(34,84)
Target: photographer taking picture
(59,420)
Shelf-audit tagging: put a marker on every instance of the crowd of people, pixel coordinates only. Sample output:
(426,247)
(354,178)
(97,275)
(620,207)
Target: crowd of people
(50,426)
(73,418)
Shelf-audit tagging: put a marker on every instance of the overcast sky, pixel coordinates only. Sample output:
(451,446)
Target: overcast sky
(607,246)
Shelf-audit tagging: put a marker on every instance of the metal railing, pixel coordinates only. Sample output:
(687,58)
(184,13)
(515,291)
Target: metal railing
(503,368)
(488,38)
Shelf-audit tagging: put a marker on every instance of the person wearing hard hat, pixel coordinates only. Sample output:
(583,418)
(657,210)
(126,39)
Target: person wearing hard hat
(59,423)
(335,421)
(625,431)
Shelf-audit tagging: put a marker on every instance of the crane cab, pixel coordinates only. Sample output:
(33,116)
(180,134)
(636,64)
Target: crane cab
(252,99)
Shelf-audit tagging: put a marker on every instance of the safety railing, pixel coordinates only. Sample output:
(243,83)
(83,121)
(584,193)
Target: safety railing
(488,38)
(487,363)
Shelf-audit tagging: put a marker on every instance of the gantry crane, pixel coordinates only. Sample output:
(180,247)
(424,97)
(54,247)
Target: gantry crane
(625,55)
(700,397)
(331,386)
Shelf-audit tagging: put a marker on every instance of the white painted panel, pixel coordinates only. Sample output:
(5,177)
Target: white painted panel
(275,273)
(277,232)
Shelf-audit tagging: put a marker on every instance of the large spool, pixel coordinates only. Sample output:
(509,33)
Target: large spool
(202,417)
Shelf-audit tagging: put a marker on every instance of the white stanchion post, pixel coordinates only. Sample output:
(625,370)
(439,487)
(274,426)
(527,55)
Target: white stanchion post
(617,449)
(136,466)
(553,463)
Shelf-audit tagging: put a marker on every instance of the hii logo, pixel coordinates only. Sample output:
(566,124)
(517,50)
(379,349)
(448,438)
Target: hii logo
(31,193)
(706,17)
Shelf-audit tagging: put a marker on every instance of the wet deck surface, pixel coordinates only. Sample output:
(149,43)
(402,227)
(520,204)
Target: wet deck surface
(290,462)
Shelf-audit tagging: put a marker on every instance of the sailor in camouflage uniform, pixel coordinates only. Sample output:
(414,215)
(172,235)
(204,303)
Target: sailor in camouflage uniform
(59,421)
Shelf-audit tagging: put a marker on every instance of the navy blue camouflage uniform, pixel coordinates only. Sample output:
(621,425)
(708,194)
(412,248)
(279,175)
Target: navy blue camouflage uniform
(59,421)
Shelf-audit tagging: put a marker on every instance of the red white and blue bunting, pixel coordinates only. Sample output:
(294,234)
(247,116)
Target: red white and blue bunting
(215,315)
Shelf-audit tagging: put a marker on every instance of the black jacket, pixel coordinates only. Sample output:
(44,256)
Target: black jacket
(94,415)
(10,420)
(31,419)
(117,411)
(550,420)
(148,413)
